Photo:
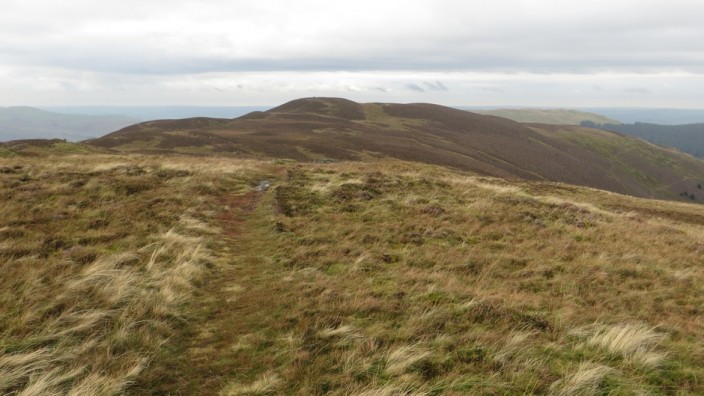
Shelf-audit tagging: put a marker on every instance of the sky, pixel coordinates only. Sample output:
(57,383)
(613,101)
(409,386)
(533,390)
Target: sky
(549,53)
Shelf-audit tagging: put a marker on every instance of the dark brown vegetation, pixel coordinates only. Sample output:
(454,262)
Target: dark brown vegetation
(327,128)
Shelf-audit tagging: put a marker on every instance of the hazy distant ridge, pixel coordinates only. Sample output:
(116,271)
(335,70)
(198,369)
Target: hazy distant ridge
(32,123)
(146,113)
(688,138)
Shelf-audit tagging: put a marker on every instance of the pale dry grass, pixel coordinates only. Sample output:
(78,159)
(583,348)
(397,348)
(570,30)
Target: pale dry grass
(198,226)
(345,331)
(361,357)
(90,308)
(210,166)
(388,390)
(500,189)
(267,384)
(108,166)
(584,206)
(403,357)
(585,381)
(516,352)
(116,301)
(636,342)
(340,337)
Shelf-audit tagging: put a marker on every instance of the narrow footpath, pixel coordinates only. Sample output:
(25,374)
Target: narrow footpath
(228,311)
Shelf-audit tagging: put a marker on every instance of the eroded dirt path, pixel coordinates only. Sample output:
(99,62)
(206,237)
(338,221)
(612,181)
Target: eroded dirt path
(226,311)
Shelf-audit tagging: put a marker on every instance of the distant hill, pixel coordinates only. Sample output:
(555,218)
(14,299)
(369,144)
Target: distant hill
(31,123)
(549,116)
(329,128)
(688,138)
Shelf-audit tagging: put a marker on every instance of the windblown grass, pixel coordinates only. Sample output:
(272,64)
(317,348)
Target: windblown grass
(97,263)
(635,342)
(586,380)
(165,275)
(266,385)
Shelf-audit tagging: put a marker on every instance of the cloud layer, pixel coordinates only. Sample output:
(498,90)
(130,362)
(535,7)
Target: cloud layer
(80,51)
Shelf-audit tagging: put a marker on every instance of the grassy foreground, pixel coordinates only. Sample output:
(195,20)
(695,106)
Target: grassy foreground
(149,275)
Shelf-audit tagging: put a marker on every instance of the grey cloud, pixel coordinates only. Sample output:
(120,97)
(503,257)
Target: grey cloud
(437,86)
(590,38)
(185,41)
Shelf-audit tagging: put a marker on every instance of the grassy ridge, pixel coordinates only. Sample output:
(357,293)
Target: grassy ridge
(549,116)
(152,275)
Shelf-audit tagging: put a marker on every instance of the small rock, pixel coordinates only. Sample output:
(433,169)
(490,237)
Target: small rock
(263,186)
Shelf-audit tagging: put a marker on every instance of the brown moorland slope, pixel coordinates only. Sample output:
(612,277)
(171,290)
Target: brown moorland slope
(318,128)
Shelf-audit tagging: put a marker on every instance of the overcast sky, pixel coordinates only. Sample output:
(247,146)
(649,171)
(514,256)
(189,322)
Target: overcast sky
(217,52)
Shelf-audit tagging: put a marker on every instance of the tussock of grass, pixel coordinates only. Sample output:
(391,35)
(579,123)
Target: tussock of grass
(514,348)
(636,342)
(266,385)
(402,358)
(389,390)
(585,381)
(342,331)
